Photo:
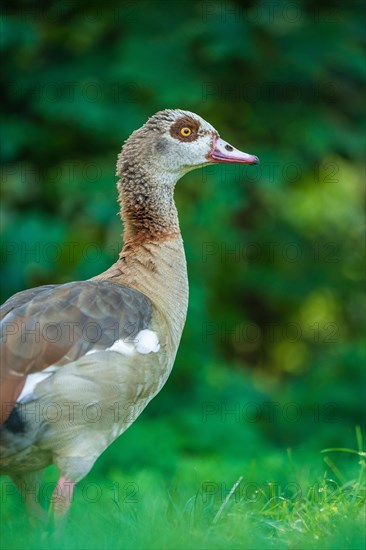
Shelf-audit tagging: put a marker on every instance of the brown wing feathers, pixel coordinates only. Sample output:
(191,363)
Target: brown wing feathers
(59,324)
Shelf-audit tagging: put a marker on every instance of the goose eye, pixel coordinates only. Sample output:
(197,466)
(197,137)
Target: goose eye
(185,131)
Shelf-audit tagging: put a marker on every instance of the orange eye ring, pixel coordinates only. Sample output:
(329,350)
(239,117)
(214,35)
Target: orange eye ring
(185,131)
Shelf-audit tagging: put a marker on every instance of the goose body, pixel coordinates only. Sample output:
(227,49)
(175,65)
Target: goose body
(80,361)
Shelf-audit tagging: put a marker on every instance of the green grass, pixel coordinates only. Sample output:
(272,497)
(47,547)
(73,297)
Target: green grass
(277,501)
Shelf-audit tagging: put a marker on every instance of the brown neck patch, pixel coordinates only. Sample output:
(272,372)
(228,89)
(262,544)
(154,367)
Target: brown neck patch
(131,242)
(185,122)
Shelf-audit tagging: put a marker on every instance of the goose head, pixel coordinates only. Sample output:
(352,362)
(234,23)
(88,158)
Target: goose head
(154,157)
(175,142)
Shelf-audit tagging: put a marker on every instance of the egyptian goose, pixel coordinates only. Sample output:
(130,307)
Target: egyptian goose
(81,360)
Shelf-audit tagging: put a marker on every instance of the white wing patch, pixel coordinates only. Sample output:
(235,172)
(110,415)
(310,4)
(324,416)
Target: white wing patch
(145,342)
(121,347)
(31,382)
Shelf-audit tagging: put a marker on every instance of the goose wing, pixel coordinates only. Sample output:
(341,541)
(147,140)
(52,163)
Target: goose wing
(57,324)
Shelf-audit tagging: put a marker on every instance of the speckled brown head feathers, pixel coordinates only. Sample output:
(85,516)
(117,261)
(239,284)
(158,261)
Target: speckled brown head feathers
(149,165)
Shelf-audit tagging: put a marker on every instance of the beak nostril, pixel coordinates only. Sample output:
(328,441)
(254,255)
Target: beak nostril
(228,147)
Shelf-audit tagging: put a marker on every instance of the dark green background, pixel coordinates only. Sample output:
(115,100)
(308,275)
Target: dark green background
(278,321)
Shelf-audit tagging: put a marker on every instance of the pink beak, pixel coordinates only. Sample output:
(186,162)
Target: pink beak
(223,152)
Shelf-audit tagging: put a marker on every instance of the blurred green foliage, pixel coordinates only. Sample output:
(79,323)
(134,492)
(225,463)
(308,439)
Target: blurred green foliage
(274,252)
